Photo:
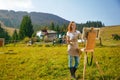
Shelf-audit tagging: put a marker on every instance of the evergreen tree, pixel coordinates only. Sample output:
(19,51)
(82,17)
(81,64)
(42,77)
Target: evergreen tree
(4,34)
(1,31)
(65,28)
(15,35)
(97,24)
(62,29)
(26,28)
(57,28)
(52,26)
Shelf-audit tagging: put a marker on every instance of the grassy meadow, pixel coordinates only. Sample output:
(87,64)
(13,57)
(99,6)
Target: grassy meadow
(106,35)
(47,62)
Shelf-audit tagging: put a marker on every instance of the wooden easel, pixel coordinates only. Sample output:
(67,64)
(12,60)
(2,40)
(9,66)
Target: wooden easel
(89,48)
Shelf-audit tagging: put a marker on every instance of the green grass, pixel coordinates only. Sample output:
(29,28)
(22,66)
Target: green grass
(47,62)
(33,63)
(106,35)
(50,63)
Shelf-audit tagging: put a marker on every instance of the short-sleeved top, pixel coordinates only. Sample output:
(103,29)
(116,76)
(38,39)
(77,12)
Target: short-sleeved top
(72,49)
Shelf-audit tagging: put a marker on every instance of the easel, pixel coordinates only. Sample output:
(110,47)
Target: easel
(89,48)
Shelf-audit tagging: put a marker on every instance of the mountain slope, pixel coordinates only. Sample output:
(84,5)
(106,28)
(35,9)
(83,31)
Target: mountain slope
(10,30)
(13,19)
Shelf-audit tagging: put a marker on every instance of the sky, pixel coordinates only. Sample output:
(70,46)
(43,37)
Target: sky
(80,11)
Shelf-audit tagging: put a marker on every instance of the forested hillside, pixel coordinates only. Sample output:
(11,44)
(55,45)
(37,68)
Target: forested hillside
(13,19)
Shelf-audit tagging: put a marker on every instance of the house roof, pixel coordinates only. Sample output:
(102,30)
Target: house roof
(51,31)
(48,31)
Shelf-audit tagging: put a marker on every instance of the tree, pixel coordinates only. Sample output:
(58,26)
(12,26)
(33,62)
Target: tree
(65,27)
(52,26)
(15,35)
(57,28)
(26,28)
(4,34)
(97,24)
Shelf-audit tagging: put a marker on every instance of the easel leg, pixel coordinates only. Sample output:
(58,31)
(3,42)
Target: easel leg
(85,62)
(91,59)
(92,53)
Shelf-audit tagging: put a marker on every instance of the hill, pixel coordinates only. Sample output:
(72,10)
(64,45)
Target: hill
(10,30)
(106,35)
(13,19)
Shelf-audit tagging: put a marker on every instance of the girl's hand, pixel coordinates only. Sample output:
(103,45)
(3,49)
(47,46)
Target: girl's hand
(71,43)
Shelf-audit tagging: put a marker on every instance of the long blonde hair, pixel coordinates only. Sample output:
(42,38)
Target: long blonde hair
(70,26)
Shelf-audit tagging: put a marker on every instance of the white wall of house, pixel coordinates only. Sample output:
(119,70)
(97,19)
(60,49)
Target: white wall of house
(51,34)
(40,34)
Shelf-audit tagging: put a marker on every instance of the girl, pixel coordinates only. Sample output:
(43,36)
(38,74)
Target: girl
(73,51)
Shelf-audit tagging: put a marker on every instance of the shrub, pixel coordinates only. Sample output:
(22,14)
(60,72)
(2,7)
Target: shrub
(46,39)
(47,45)
(40,45)
(26,39)
(116,36)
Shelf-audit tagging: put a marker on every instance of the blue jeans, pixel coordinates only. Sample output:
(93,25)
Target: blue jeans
(70,61)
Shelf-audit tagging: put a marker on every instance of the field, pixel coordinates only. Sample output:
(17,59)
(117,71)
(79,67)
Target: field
(106,35)
(47,62)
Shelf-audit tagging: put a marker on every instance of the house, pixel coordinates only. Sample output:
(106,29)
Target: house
(41,33)
(50,34)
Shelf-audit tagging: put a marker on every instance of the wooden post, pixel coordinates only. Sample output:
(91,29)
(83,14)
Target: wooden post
(100,41)
(2,42)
